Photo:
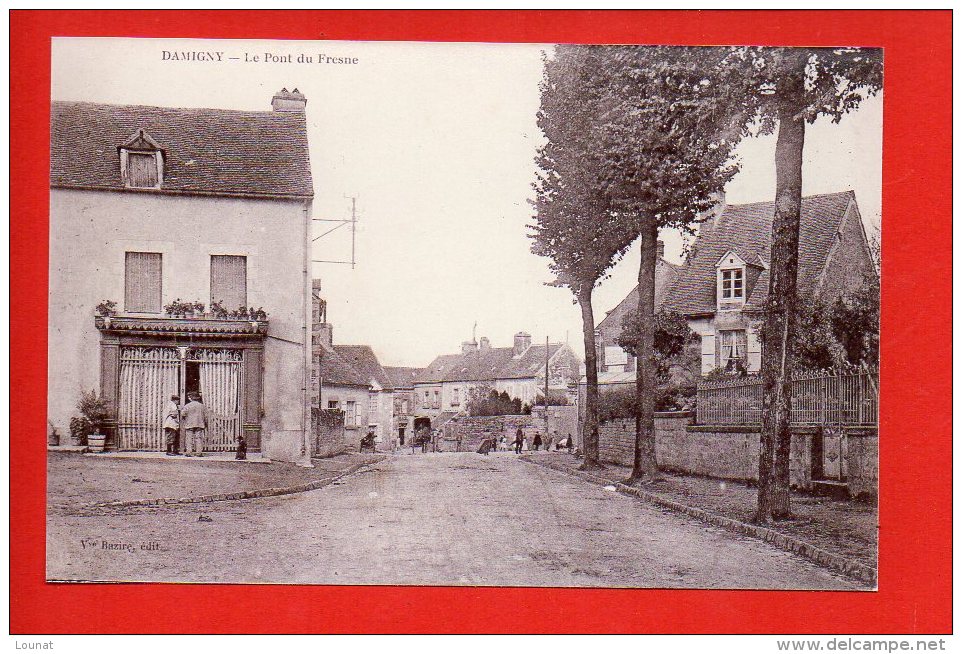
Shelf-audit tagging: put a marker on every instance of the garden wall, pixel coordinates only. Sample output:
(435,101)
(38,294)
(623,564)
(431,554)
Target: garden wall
(862,460)
(731,452)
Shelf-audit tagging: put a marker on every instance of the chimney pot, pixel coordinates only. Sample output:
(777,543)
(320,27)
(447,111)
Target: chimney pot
(522,341)
(289,101)
(661,249)
(485,343)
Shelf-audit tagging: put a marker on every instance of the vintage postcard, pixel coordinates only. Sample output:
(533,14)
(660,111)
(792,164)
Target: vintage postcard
(464,314)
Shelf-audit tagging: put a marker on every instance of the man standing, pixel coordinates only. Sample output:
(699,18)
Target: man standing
(172,426)
(194,423)
(518,441)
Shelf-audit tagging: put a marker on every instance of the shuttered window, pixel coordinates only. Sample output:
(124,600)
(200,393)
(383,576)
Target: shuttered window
(141,169)
(142,282)
(228,281)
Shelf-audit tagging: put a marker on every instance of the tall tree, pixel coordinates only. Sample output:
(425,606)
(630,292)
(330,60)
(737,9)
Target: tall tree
(791,87)
(574,227)
(666,141)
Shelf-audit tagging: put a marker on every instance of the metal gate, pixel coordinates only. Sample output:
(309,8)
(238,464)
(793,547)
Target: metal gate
(220,390)
(150,375)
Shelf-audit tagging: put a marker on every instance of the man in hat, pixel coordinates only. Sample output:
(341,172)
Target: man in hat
(194,423)
(172,425)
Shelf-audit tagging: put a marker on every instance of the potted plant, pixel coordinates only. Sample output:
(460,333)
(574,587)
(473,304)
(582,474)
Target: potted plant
(217,310)
(197,308)
(79,428)
(53,435)
(94,411)
(106,310)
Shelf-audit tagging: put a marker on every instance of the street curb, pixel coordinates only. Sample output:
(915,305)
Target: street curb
(239,495)
(782,541)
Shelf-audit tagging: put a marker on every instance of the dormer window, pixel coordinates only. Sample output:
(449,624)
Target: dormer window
(141,162)
(733,284)
(732,280)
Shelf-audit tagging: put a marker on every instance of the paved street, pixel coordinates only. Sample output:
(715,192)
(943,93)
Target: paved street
(436,519)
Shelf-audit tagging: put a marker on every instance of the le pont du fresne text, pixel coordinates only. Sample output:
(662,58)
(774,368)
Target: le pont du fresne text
(248,57)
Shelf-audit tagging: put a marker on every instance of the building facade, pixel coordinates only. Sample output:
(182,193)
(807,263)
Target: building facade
(154,212)
(445,386)
(723,288)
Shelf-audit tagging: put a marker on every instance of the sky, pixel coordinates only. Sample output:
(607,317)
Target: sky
(436,141)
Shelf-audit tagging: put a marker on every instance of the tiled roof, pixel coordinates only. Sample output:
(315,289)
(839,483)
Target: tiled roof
(486,365)
(665,274)
(335,370)
(746,230)
(216,151)
(364,361)
(402,377)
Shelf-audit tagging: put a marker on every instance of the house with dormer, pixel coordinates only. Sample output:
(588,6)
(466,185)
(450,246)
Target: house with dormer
(723,287)
(179,259)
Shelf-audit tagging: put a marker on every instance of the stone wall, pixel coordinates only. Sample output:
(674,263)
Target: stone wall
(327,430)
(731,452)
(713,451)
(473,430)
(862,461)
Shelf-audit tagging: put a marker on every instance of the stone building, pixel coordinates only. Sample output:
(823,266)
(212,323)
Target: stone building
(611,358)
(443,388)
(160,210)
(405,400)
(349,379)
(722,288)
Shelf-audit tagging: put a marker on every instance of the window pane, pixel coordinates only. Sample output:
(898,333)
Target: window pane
(141,170)
(142,282)
(228,281)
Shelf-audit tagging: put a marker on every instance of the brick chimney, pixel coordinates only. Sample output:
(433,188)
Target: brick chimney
(522,341)
(661,249)
(469,347)
(485,343)
(289,101)
(323,333)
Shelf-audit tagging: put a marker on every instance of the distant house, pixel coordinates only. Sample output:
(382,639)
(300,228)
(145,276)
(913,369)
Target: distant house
(405,400)
(151,205)
(349,378)
(723,287)
(611,357)
(443,388)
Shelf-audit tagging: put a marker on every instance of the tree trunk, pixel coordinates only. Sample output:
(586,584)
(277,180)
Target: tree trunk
(778,332)
(644,465)
(589,429)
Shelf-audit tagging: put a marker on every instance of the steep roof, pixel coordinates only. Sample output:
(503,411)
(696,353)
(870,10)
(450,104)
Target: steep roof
(364,361)
(207,151)
(746,230)
(335,370)
(402,377)
(665,275)
(487,364)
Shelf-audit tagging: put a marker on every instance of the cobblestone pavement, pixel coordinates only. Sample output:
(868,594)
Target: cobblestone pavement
(434,519)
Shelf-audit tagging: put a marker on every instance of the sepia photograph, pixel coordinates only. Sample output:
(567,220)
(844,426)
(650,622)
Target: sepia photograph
(464,314)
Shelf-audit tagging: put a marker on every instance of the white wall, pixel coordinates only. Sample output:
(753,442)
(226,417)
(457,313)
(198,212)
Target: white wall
(90,231)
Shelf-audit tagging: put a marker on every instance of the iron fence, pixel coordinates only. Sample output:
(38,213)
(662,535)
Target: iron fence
(834,397)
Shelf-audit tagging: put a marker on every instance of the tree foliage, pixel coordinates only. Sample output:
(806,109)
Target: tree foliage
(483,400)
(672,335)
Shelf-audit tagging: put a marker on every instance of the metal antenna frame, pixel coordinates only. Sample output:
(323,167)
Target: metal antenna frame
(352,221)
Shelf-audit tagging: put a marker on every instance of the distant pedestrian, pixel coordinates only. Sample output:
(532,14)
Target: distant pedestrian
(570,444)
(537,441)
(503,444)
(194,423)
(518,442)
(549,440)
(172,426)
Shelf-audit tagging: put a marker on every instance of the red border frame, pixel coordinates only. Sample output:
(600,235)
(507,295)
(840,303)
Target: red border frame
(916,510)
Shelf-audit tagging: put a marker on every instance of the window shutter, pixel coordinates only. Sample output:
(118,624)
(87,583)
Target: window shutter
(141,169)
(142,282)
(228,281)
